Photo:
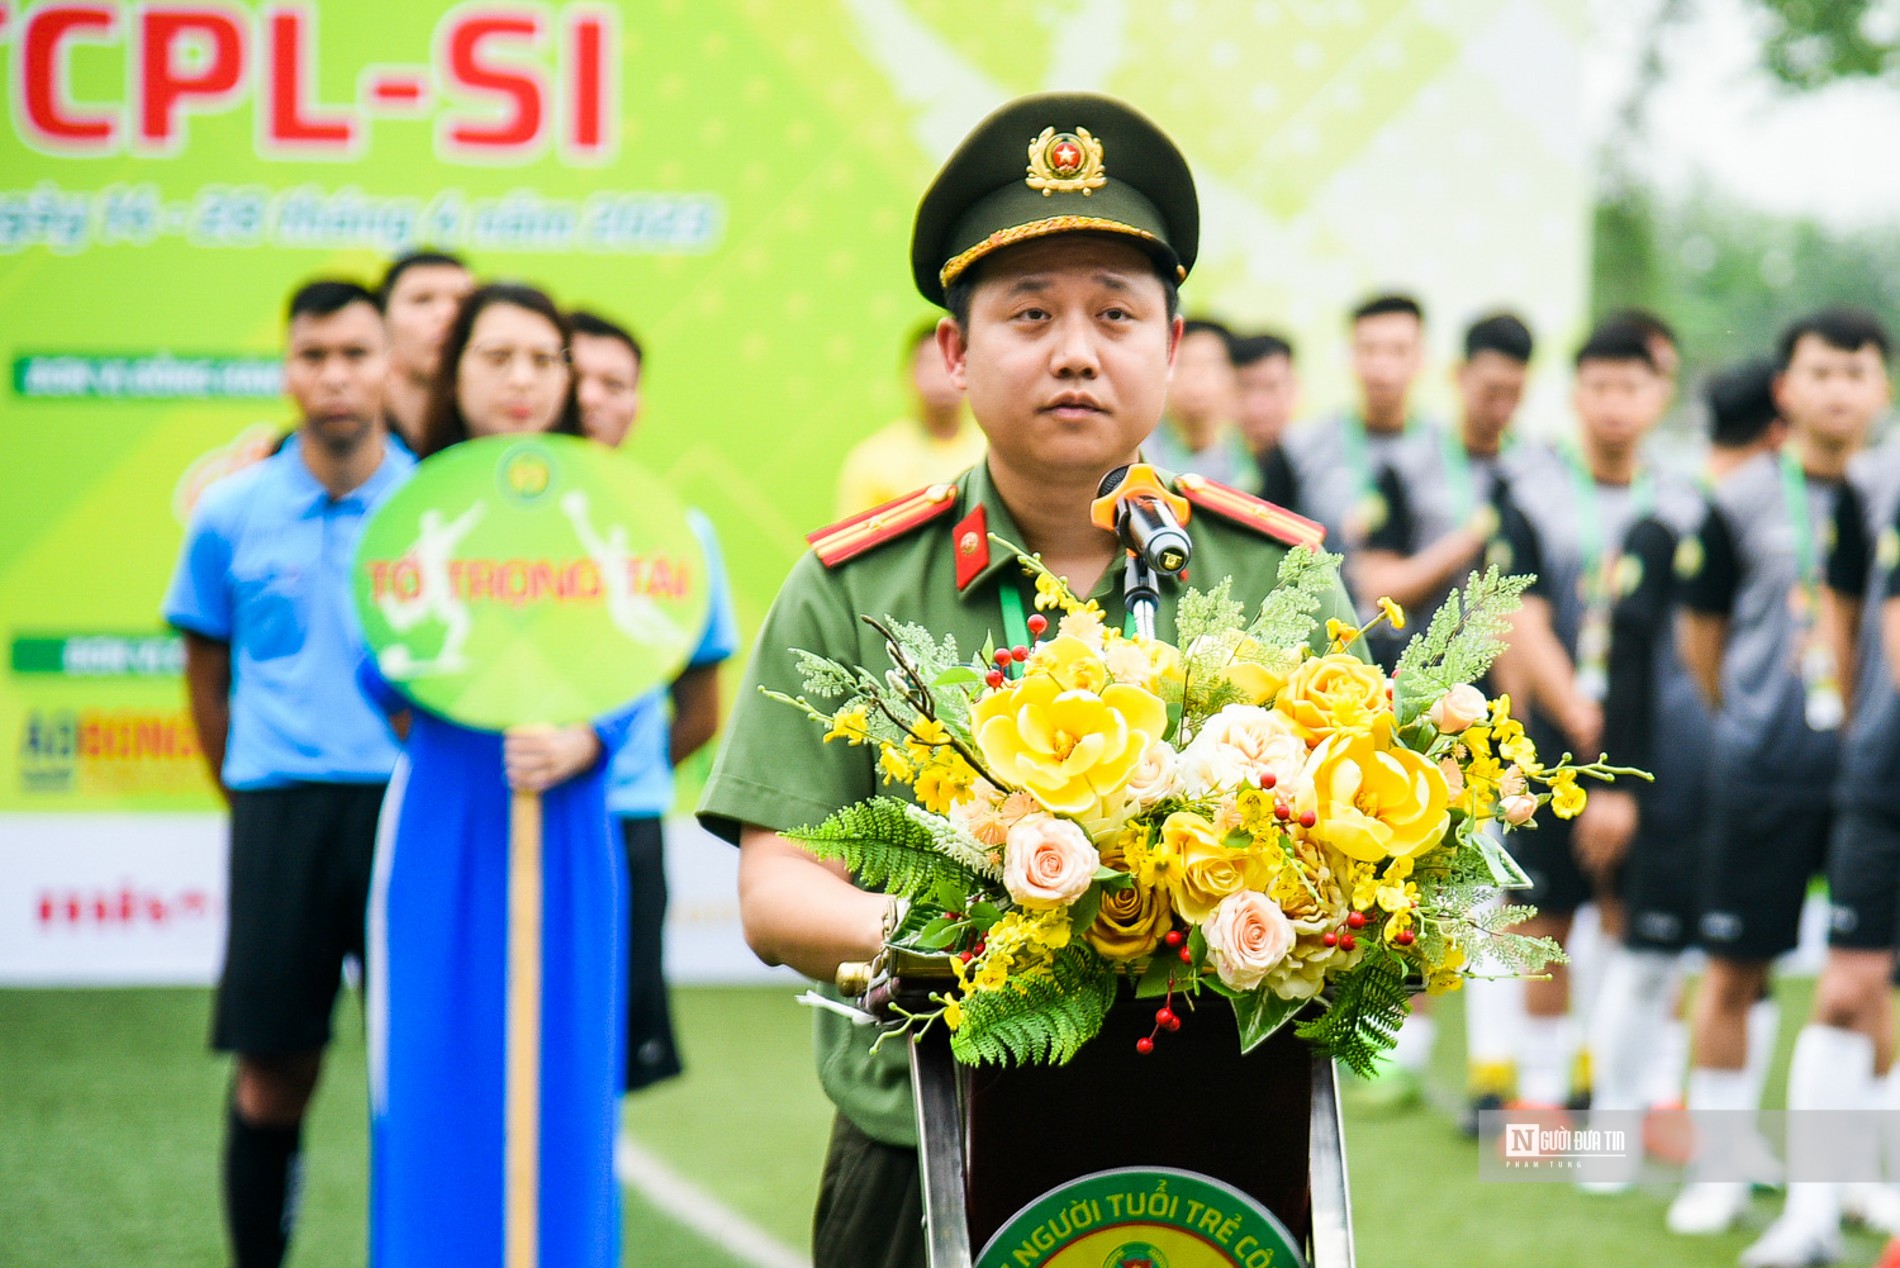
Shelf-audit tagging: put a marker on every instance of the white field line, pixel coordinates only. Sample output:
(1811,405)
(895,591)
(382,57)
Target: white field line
(699,1210)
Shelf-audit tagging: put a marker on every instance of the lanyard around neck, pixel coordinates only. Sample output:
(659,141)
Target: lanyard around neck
(1590,510)
(1794,500)
(1016,621)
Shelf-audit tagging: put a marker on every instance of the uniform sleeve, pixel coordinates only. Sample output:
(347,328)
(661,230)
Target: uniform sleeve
(721,637)
(1850,554)
(613,729)
(377,688)
(773,768)
(1397,532)
(1639,619)
(199,600)
(1709,570)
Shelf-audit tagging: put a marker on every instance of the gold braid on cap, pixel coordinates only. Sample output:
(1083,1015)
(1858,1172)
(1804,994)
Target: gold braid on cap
(1042,229)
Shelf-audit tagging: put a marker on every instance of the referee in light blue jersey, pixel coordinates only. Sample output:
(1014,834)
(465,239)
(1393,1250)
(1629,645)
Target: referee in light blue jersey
(262,596)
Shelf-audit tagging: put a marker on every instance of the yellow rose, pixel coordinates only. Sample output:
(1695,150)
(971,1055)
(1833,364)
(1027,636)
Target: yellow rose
(1255,682)
(1208,871)
(1068,749)
(1332,693)
(1131,921)
(1071,662)
(1373,800)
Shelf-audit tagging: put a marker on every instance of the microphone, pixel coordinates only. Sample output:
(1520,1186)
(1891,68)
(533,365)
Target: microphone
(1146,515)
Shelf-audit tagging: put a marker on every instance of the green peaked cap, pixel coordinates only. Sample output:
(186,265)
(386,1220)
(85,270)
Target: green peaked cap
(1059,162)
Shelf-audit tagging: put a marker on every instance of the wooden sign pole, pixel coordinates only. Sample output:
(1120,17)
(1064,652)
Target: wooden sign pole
(523,1176)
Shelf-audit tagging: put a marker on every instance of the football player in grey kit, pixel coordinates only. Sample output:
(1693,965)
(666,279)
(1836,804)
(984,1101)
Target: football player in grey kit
(1843,1057)
(1590,500)
(1755,638)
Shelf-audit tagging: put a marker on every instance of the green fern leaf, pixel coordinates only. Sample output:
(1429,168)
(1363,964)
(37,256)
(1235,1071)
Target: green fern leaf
(887,847)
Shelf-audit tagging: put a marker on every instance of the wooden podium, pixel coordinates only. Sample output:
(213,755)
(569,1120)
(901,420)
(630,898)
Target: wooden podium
(1266,1122)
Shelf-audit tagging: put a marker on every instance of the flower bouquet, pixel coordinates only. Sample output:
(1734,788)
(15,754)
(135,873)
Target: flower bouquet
(1253,812)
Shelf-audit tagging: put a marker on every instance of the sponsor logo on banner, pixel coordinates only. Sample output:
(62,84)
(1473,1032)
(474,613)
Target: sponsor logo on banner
(108,753)
(1143,1217)
(104,900)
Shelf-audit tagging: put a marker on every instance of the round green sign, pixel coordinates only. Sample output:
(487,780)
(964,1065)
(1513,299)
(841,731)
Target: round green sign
(1143,1217)
(530,579)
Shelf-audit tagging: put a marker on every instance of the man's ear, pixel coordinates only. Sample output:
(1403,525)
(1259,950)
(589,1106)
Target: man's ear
(1175,329)
(955,349)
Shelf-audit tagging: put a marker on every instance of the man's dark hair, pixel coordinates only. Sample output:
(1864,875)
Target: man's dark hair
(1844,327)
(1253,349)
(1380,305)
(1502,333)
(1741,400)
(1208,326)
(956,296)
(1616,341)
(583,322)
(1646,321)
(443,424)
(414,259)
(325,296)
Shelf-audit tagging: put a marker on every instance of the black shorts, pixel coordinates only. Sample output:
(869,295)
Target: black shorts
(652,1052)
(1549,857)
(1659,881)
(1758,856)
(1863,880)
(299,882)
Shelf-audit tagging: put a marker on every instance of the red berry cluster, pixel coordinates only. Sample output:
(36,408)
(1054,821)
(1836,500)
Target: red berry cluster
(1165,1016)
(1007,656)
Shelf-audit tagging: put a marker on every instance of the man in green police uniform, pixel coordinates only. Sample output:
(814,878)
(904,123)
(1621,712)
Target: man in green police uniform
(1055,236)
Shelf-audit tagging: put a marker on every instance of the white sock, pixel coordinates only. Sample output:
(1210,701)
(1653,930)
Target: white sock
(1587,947)
(1720,1099)
(1668,1063)
(1832,1070)
(1544,1052)
(1412,1052)
(1887,1101)
(1764,1031)
(1494,1012)
(1632,1005)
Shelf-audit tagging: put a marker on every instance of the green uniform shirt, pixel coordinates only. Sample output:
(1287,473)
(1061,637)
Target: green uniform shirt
(775,771)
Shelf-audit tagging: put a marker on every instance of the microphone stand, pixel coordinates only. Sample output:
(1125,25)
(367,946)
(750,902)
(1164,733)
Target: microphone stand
(1140,594)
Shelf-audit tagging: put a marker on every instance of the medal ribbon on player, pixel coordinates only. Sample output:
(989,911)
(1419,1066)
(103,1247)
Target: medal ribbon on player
(1599,573)
(1823,703)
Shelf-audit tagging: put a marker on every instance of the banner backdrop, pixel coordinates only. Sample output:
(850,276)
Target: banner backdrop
(733,178)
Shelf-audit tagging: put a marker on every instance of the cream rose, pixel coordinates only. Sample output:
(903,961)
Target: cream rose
(1238,745)
(1155,775)
(1458,709)
(1519,810)
(1247,936)
(1047,862)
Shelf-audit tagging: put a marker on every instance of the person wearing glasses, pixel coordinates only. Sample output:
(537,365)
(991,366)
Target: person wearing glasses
(438,906)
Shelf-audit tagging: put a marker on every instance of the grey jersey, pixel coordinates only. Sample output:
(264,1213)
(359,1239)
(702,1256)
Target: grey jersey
(1340,490)
(1745,565)
(1580,521)
(1865,564)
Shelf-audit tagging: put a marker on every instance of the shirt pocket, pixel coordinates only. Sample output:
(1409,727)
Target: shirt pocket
(272,612)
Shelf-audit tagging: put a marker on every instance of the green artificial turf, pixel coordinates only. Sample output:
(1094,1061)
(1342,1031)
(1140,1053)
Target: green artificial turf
(110,1116)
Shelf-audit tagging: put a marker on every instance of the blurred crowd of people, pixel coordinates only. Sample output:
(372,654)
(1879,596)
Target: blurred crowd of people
(364,828)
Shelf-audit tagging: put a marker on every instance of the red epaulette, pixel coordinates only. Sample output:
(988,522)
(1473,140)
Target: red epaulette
(1256,513)
(847,539)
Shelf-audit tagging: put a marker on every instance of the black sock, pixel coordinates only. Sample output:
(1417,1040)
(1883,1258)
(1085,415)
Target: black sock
(263,1174)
